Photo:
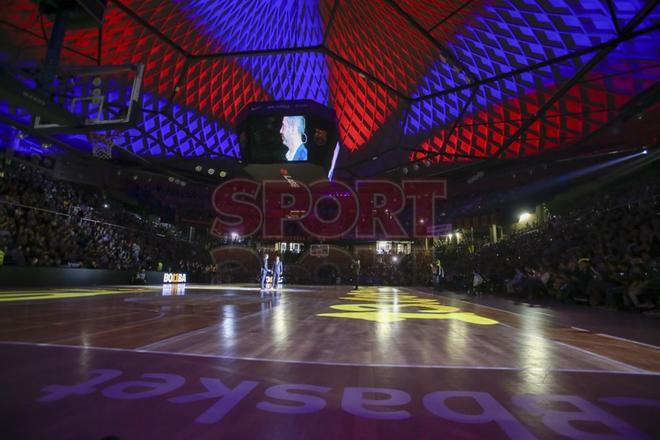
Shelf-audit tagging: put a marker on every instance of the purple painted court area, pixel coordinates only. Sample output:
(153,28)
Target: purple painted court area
(77,393)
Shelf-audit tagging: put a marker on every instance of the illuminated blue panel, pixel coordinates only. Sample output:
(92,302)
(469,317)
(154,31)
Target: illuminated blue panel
(653,18)
(192,134)
(430,114)
(517,33)
(263,24)
(291,76)
(29,145)
(175,130)
(441,76)
(625,10)
(537,81)
(634,60)
(15,113)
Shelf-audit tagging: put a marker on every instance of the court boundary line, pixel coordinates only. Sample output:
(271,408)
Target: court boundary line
(332,364)
(598,356)
(643,344)
(632,341)
(601,357)
(580,329)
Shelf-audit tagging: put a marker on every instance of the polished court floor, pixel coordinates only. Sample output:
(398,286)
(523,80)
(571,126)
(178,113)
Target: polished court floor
(233,362)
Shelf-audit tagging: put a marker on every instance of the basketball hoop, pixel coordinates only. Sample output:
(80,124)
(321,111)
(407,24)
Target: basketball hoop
(102,144)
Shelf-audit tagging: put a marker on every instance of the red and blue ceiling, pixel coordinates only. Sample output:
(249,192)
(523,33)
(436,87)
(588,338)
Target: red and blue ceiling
(443,80)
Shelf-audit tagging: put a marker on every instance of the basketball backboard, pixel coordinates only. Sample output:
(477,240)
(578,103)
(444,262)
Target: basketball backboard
(99,97)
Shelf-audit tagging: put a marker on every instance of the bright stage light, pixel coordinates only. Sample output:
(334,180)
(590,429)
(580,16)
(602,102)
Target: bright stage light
(524,217)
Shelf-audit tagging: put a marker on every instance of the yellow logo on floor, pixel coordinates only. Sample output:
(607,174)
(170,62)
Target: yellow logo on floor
(387,305)
(31,295)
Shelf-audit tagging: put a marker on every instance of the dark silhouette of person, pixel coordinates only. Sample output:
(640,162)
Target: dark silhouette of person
(264,271)
(278,268)
(356,269)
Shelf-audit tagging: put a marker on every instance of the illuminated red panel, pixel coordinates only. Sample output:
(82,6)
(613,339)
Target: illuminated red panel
(172,20)
(361,105)
(452,13)
(374,37)
(23,29)
(220,88)
(585,108)
(124,41)
(22,14)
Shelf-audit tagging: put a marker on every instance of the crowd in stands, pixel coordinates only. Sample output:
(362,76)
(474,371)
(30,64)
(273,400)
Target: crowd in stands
(46,222)
(603,252)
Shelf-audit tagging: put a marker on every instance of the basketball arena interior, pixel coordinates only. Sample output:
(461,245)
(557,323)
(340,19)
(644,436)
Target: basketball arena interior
(329,219)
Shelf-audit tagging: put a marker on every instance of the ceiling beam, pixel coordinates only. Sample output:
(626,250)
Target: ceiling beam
(615,22)
(627,111)
(454,124)
(128,11)
(451,14)
(331,20)
(365,74)
(446,53)
(43,37)
(584,70)
(445,154)
(258,52)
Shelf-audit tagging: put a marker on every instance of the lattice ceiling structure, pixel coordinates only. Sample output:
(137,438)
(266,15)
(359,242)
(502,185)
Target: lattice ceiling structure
(434,81)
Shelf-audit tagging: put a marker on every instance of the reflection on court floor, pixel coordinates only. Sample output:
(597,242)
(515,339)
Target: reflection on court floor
(225,361)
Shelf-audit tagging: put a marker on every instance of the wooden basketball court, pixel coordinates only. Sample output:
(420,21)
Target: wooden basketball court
(306,362)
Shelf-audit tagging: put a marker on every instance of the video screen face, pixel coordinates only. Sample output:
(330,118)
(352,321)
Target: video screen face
(288,138)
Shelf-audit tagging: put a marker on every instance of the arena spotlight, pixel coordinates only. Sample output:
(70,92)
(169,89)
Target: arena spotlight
(46,145)
(395,259)
(170,179)
(21,135)
(524,217)
(183,183)
(645,151)
(222,173)
(198,168)
(405,170)
(211,171)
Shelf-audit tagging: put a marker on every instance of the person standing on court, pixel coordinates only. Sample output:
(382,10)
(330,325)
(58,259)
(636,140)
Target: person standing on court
(264,271)
(278,268)
(356,269)
(439,275)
